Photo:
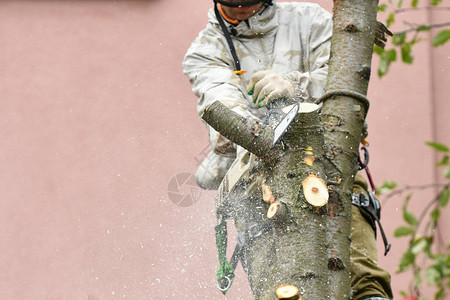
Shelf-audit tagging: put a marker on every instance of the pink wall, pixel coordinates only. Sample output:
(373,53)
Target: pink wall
(96,121)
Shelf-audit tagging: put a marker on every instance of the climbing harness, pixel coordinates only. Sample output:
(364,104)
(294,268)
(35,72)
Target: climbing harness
(369,205)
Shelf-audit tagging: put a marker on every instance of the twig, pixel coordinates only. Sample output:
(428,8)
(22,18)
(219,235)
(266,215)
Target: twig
(415,267)
(422,215)
(441,242)
(408,188)
(406,9)
(417,27)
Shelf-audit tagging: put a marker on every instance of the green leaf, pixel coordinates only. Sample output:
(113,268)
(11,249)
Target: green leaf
(406,54)
(378,50)
(406,261)
(440,294)
(383,68)
(391,55)
(444,196)
(433,275)
(381,7)
(386,58)
(435,2)
(414,3)
(447,173)
(438,146)
(435,214)
(444,161)
(403,231)
(390,19)
(399,3)
(427,249)
(419,245)
(441,38)
(386,187)
(407,215)
(409,218)
(398,38)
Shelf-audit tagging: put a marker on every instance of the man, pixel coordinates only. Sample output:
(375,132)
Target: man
(251,53)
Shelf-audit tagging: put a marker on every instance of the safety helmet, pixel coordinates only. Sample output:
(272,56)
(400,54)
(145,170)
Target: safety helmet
(241,3)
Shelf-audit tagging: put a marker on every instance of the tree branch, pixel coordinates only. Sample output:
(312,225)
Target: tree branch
(248,133)
(418,28)
(412,188)
(409,9)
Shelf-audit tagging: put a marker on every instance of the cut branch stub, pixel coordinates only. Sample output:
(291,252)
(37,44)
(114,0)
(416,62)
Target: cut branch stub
(287,291)
(278,211)
(309,156)
(273,209)
(315,191)
(267,193)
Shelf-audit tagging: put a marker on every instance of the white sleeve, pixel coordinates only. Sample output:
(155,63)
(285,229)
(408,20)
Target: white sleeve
(210,71)
(310,83)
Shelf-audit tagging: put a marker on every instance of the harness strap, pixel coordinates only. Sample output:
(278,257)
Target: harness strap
(229,40)
(369,205)
(370,209)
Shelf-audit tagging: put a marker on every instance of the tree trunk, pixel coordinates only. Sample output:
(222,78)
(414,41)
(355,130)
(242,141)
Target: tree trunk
(343,115)
(302,239)
(293,250)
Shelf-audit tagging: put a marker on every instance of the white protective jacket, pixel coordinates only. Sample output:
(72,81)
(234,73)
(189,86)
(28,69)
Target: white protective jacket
(291,38)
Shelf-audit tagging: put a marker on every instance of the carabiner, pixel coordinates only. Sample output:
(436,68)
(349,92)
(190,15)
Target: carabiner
(363,165)
(224,284)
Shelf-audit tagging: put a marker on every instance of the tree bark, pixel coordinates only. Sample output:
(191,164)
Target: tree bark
(343,115)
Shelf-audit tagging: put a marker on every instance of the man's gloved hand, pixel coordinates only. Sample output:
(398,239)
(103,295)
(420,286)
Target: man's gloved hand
(266,86)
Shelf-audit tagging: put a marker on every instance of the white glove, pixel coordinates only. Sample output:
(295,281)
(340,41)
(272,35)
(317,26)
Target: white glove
(266,86)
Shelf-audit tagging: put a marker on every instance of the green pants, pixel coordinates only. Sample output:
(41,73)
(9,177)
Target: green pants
(368,279)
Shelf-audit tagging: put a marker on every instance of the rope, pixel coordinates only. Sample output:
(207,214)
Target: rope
(348,93)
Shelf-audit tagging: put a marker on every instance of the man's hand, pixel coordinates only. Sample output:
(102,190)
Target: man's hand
(266,86)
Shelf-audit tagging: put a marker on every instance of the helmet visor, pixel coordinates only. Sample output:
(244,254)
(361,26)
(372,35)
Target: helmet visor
(241,3)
